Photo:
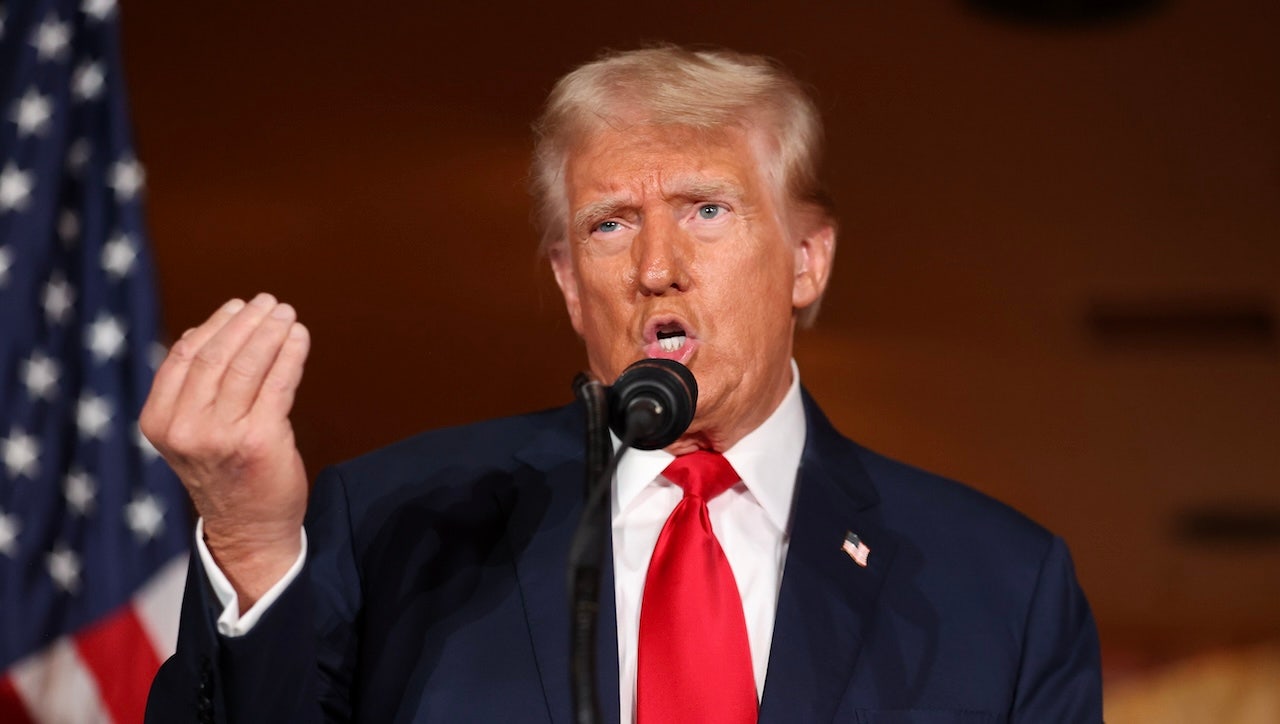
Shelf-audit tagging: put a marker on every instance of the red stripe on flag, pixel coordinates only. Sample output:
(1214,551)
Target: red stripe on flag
(118,652)
(12,710)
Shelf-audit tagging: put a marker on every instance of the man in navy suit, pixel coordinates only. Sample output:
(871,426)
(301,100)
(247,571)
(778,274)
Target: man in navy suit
(683,218)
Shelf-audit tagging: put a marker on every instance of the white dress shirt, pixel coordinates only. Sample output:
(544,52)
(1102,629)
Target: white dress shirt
(751,520)
(231,622)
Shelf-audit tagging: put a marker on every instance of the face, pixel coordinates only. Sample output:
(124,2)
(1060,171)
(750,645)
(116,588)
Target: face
(679,247)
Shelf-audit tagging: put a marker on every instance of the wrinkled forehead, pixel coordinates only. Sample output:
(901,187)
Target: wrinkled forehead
(611,156)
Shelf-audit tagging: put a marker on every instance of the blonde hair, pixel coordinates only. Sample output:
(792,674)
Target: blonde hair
(670,85)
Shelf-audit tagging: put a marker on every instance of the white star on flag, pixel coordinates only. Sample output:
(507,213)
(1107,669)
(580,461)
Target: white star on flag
(93,414)
(87,81)
(127,177)
(6,263)
(50,38)
(15,188)
(105,337)
(118,256)
(68,227)
(80,491)
(98,9)
(64,568)
(78,155)
(58,298)
(148,450)
(145,516)
(9,530)
(856,549)
(155,355)
(40,375)
(21,454)
(32,112)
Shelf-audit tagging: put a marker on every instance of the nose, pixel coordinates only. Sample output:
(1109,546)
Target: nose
(661,257)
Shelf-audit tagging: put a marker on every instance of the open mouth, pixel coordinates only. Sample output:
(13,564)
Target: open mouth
(671,337)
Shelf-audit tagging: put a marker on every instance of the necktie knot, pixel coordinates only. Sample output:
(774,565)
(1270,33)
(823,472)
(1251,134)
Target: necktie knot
(702,474)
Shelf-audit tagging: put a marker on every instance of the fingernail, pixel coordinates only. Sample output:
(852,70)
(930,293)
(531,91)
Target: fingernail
(233,306)
(283,311)
(264,300)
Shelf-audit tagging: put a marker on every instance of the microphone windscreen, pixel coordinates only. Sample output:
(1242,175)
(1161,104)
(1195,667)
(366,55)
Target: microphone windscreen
(663,388)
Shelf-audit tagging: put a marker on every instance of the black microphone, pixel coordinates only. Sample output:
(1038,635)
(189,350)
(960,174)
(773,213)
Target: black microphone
(652,403)
(649,407)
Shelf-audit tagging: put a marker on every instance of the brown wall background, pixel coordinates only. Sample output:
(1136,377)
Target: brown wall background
(1057,279)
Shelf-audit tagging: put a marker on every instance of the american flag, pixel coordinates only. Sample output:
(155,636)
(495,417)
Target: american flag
(93,526)
(856,549)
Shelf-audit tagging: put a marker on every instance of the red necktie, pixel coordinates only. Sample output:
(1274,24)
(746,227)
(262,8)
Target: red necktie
(694,662)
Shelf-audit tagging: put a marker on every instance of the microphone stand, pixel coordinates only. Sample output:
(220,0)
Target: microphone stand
(655,401)
(587,549)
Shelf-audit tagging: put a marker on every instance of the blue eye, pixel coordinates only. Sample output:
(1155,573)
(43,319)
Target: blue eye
(608,226)
(709,211)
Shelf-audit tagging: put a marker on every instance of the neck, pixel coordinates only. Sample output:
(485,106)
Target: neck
(718,432)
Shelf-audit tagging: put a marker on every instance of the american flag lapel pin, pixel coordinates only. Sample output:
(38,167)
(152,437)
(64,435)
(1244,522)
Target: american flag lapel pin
(856,549)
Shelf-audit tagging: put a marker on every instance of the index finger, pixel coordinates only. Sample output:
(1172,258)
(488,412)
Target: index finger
(172,373)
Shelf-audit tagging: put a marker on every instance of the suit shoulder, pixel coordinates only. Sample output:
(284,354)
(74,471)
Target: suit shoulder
(949,516)
(489,444)
(976,552)
(921,500)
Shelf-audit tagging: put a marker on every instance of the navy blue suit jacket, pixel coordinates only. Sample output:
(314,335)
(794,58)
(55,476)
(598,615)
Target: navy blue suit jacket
(435,591)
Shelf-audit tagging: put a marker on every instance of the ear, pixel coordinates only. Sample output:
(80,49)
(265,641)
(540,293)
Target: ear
(815,253)
(567,280)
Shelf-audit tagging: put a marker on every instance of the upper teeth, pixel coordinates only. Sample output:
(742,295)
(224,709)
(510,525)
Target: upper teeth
(671,344)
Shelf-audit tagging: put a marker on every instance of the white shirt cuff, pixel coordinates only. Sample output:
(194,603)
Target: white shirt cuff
(230,622)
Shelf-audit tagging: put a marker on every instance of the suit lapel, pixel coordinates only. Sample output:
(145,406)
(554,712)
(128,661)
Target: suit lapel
(544,511)
(827,601)
(825,605)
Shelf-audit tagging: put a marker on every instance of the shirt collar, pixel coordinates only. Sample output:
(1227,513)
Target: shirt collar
(767,458)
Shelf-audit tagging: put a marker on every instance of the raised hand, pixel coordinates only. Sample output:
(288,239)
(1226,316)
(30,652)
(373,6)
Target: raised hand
(219,414)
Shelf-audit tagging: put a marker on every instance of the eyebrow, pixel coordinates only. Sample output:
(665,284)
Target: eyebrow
(703,189)
(602,209)
(689,190)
